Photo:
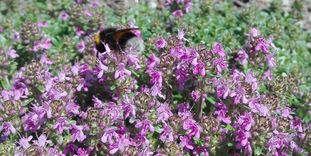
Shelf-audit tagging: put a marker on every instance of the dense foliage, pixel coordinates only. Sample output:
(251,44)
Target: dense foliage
(214,79)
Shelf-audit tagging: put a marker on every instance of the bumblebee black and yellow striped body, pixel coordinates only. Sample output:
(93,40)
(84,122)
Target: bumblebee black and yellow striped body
(116,39)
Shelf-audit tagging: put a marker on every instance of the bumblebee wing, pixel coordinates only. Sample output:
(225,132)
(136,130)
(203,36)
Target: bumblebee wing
(123,35)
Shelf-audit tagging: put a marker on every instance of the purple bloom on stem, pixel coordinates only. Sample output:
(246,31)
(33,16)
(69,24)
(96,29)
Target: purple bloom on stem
(178,13)
(81,46)
(297,125)
(110,135)
(256,107)
(128,107)
(195,94)
(245,121)
(218,50)
(185,141)
(24,142)
(77,133)
(160,43)
(31,121)
(102,69)
(181,35)
(242,57)
(239,95)
(221,112)
(262,45)
(188,6)
(7,128)
(193,129)
(267,75)
(242,138)
(82,152)
(220,64)
(270,60)
(16,36)
(61,125)
(43,44)
(167,134)
(164,112)
(63,16)
(249,78)
(199,69)
(152,61)
(42,24)
(42,141)
(121,72)
(72,108)
(144,126)
(119,145)
(254,32)
(12,53)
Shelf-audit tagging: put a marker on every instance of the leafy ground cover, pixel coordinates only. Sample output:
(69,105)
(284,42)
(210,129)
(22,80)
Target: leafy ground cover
(215,78)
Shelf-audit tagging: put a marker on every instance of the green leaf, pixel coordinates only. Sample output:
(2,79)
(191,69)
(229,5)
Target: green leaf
(5,83)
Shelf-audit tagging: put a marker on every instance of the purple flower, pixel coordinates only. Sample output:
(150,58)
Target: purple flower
(222,90)
(185,141)
(31,121)
(63,16)
(152,61)
(249,78)
(109,135)
(61,125)
(144,126)
(128,107)
(221,113)
(270,61)
(242,57)
(7,128)
(102,69)
(119,145)
(164,112)
(72,108)
(193,129)
(239,95)
(242,138)
(254,32)
(178,13)
(77,133)
(262,45)
(24,142)
(112,111)
(16,36)
(45,60)
(167,134)
(256,107)
(245,121)
(195,95)
(42,24)
(12,53)
(188,6)
(82,152)
(42,141)
(43,44)
(218,50)
(220,64)
(81,46)
(286,113)
(181,35)
(267,75)
(121,72)
(160,43)
(297,125)
(199,69)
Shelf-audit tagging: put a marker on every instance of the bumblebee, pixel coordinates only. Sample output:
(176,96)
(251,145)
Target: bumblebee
(118,40)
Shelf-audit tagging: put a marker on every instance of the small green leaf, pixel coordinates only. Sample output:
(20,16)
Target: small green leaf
(5,83)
